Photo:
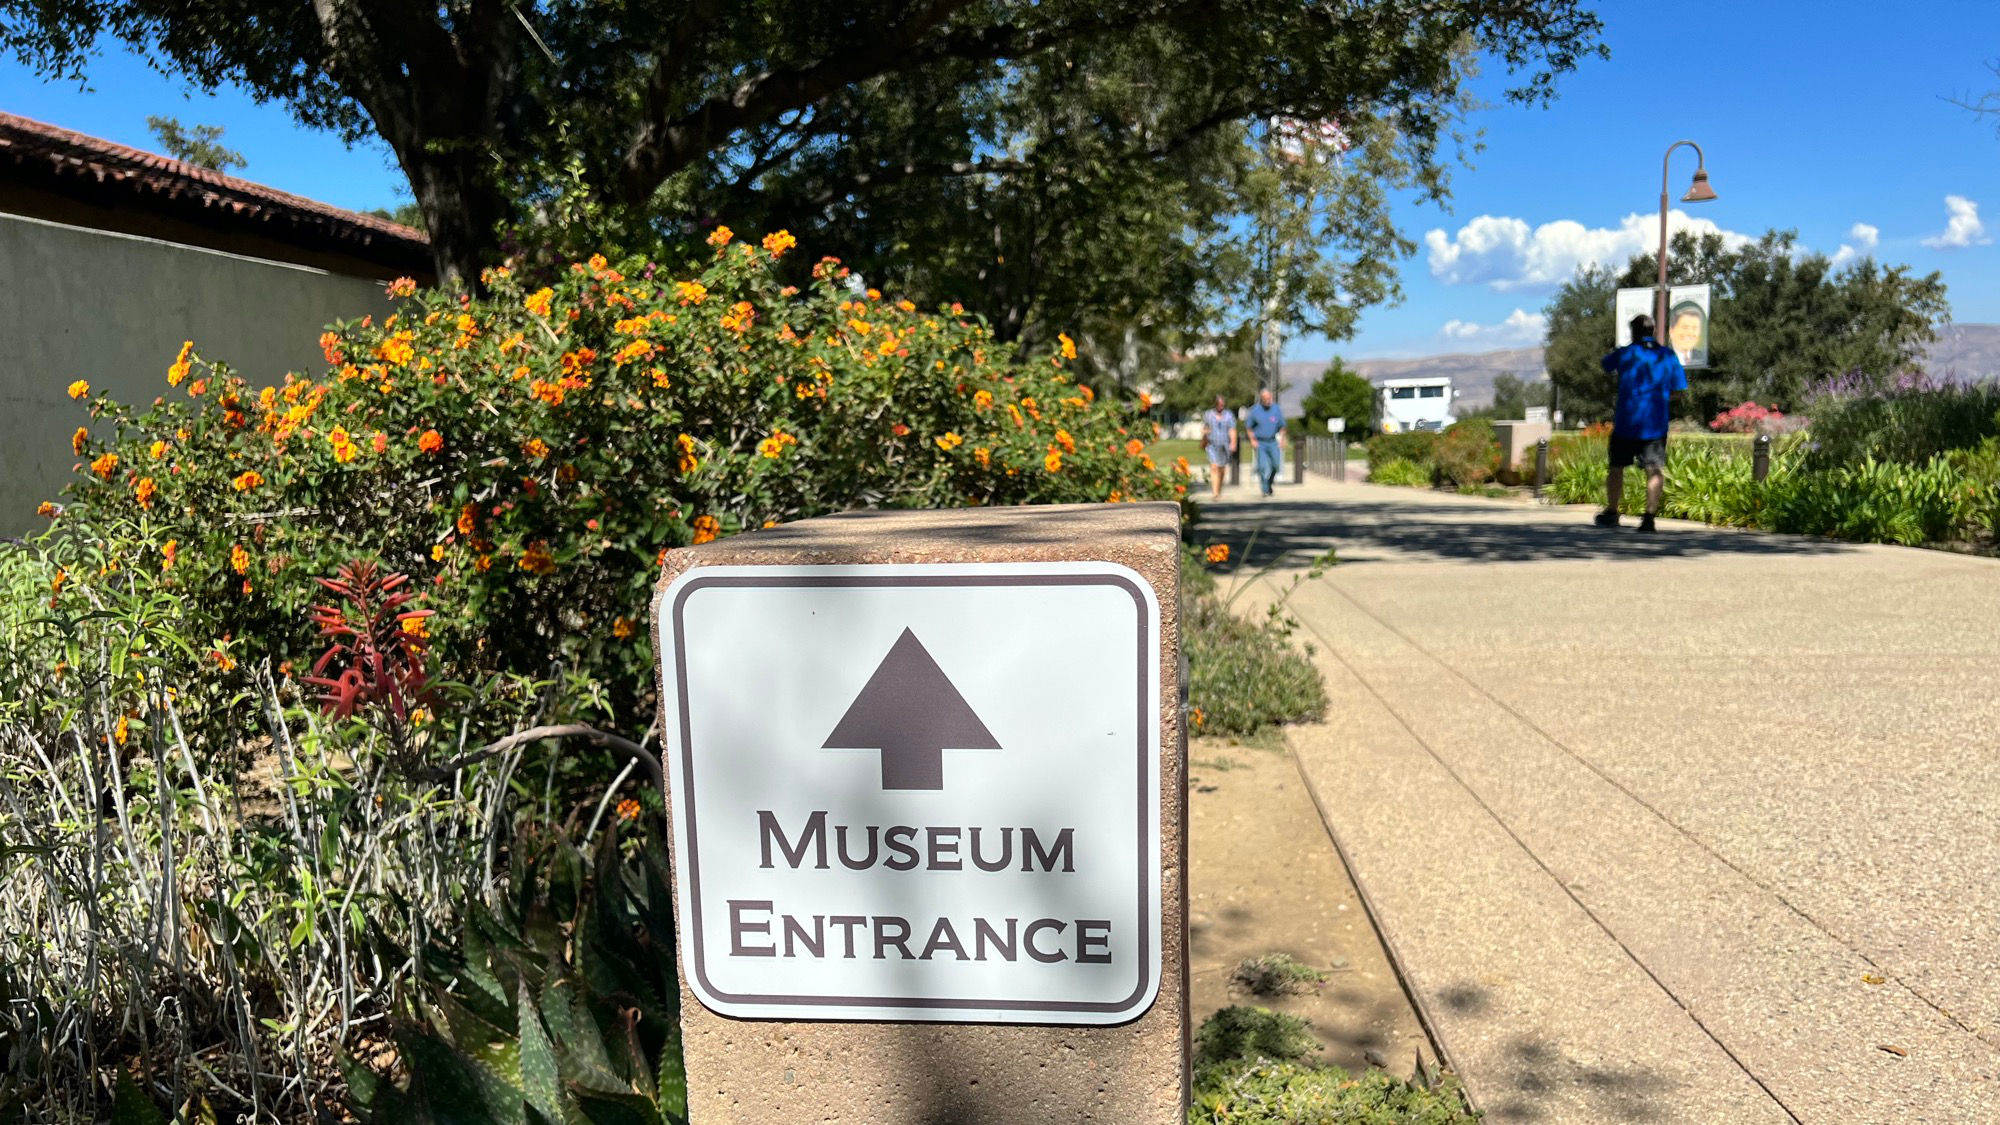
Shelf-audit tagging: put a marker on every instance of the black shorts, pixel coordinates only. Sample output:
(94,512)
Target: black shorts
(1646,453)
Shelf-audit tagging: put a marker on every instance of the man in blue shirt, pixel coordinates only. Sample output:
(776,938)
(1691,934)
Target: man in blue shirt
(1649,373)
(1266,424)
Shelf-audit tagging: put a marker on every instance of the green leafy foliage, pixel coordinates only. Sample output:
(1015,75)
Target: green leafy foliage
(1409,445)
(1783,321)
(1467,453)
(529,457)
(1340,393)
(1399,472)
(1276,974)
(559,1005)
(1243,675)
(1251,1067)
(1908,423)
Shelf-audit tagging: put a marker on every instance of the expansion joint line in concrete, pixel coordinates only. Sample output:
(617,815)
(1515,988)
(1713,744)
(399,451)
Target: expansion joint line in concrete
(1502,824)
(1702,845)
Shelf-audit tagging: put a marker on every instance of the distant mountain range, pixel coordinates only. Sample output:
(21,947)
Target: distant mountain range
(1969,351)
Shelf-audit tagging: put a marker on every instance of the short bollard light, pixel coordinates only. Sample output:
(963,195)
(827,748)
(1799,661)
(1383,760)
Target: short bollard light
(1541,464)
(1760,458)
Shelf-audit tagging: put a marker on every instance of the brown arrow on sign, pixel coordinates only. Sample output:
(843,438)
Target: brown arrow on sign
(911,712)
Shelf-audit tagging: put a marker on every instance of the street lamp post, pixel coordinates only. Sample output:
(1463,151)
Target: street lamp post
(1700,192)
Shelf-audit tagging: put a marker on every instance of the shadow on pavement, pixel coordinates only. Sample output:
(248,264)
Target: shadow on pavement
(1368,528)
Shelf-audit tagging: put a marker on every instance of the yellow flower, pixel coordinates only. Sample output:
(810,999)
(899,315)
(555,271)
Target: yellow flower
(400,348)
(720,236)
(706,528)
(1068,345)
(982,399)
(167,552)
(122,731)
(688,461)
(539,301)
(79,388)
(78,439)
(536,448)
(416,627)
(537,559)
(692,292)
(1053,462)
(239,559)
(738,318)
(597,262)
(622,629)
(178,370)
(637,349)
(771,448)
(780,242)
(247,481)
(437,552)
(950,441)
(145,490)
(344,448)
(48,510)
(983,455)
(105,465)
(660,380)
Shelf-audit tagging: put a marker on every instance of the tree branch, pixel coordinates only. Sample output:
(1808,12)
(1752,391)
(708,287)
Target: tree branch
(647,761)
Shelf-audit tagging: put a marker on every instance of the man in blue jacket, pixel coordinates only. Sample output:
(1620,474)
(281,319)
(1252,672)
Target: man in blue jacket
(1649,374)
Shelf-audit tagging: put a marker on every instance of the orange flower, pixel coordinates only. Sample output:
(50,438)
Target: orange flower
(47,510)
(402,287)
(144,492)
(637,349)
(1053,462)
(122,731)
(622,629)
(692,292)
(688,461)
(247,481)
(720,236)
(329,345)
(78,439)
(225,661)
(1218,553)
(415,627)
(950,441)
(780,242)
(344,449)
(61,579)
(983,455)
(79,388)
(551,393)
(899,429)
(178,370)
(380,442)
(578,362)
(239,559)
(167,553)
(739,317)
(706,528)
(105,465)
(1068,345)
(1135,447)
(430,441)
(1067,442)
(466,517)
(539,301)
(537,559)
(399,349)
(536,448)
(1195,717)
(1181,466)
(982,399)
(660,378)
(1145,401)
(628,809)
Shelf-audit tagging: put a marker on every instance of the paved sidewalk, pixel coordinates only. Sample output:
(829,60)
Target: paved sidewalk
(1703,827)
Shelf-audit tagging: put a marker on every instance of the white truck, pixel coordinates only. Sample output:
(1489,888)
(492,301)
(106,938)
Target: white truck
(1416,404)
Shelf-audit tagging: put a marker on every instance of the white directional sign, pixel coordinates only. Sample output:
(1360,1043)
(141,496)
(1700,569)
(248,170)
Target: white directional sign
(916,792)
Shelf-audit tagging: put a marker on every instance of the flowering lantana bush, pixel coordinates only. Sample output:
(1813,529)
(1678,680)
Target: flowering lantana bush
(528,456)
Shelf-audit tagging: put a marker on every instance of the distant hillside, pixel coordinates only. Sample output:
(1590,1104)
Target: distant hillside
(1969,351)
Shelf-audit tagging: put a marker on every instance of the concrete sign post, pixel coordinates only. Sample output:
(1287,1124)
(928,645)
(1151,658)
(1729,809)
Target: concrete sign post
(925,780)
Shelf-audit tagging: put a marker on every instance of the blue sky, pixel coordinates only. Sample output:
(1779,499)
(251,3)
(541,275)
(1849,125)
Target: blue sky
(1829,117)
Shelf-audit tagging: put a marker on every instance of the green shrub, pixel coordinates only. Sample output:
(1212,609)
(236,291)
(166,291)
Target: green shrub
(1909,423)
(1276,974)
(1876,502)
(1468,453)
(530,455)
(560,1005)
(1250,1068)
(1409,445)
(1243,676)
(1407,474)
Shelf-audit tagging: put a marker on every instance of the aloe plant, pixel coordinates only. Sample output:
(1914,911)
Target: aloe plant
(559,1005)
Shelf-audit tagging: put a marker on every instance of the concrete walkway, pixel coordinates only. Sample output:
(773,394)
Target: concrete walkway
(1702,827)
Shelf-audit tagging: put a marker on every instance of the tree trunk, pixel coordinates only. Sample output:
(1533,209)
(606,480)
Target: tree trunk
(463,209)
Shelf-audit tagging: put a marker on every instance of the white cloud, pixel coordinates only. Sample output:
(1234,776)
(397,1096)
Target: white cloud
(1862,239)
(1520,327)
(1963,228)
(1506,253)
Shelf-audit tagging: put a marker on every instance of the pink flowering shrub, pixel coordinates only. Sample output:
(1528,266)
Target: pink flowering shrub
(1750,418)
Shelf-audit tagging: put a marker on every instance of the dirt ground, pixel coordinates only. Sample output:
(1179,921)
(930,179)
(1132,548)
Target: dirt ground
(1264,878)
